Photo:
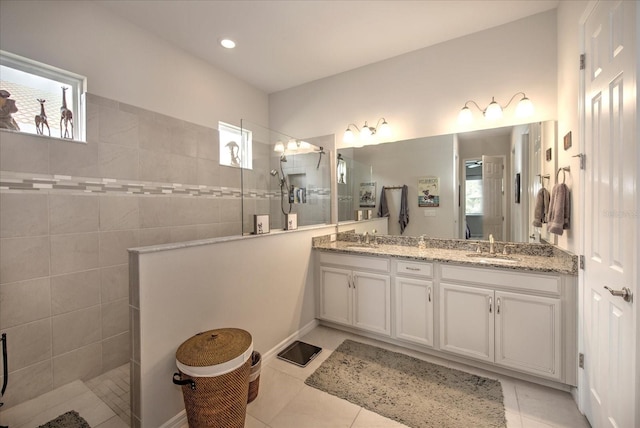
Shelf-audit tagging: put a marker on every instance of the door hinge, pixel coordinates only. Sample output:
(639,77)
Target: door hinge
(583,159)
(582,61)
(581,360)
(581,261)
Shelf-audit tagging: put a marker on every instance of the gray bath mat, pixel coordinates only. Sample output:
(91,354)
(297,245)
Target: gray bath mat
(67,420)
(408,390)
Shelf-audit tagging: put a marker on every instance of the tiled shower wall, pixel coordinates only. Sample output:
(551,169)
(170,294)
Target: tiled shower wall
(68,213)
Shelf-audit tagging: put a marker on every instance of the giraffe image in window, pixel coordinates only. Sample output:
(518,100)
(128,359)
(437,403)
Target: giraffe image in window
(41,119)
(66,116)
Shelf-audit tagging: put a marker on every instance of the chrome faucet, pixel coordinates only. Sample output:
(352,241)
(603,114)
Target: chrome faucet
(366,237)
(492,242)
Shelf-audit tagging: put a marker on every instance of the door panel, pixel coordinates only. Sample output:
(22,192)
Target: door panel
(611,228)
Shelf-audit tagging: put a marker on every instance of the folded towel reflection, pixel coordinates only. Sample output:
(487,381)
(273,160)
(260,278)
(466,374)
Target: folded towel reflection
(541,210)
(559,209)
(404,209)
(383,209)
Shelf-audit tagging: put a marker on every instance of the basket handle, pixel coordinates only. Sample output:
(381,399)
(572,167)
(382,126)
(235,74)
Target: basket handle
(177,379)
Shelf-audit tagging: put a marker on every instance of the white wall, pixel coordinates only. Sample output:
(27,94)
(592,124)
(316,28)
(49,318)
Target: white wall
(125,63)
(421,93)
(189,290)
(569,49)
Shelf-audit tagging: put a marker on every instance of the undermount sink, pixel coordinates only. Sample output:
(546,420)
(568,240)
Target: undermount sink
(493,258)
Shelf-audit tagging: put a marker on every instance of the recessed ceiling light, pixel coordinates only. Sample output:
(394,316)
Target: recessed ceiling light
(228,43)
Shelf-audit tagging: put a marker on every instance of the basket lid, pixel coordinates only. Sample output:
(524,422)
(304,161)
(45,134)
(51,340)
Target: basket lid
(214,347)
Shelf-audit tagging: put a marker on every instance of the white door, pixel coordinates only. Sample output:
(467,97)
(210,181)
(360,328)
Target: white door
(467,321)
(335,295)
(528,333)
(372,302)
(414,310)
(492,196)
(610,216)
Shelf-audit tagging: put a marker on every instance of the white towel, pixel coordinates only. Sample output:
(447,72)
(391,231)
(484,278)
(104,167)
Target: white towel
(541,210)
(559,209)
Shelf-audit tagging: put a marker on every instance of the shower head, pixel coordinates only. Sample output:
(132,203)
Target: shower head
(274,172)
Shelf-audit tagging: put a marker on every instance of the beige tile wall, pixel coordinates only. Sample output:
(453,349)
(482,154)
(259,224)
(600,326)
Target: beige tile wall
(64,277)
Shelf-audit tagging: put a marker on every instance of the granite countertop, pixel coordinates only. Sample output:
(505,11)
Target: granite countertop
(521,257)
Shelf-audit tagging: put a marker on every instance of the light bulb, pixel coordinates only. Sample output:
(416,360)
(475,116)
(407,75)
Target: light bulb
(292,145)
(465,116)
(524,107)
(493,111)
(365,132)
(279,147)
(384,130)
(348,136)
(227,43)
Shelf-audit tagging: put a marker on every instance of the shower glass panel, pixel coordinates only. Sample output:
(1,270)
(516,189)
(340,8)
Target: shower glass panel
(349,184)
(288,175)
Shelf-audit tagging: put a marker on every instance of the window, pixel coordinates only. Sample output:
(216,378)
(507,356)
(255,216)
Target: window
(235,146)
(473,196)
(35,86)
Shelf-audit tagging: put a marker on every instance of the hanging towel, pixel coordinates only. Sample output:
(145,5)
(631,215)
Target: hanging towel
(404,209)
(541,210)
(383,209)
(559,209)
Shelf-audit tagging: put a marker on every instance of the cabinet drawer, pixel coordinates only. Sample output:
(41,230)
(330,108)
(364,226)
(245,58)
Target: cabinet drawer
(414,269)
(380,264)
(493,278)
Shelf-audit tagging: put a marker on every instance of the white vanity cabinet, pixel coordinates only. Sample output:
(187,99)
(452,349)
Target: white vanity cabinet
(356,291)
(414,300)
(507,318)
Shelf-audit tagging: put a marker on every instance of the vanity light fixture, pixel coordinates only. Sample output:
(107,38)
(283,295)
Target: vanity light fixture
(494,110)
(292,145)
(382,128)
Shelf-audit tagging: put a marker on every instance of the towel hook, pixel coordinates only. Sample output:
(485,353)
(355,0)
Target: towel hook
(564,176)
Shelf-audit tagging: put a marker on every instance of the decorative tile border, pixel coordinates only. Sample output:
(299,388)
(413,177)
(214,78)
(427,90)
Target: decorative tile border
(64,183)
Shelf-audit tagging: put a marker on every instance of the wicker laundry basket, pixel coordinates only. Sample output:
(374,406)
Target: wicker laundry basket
(214,369)
(254,376)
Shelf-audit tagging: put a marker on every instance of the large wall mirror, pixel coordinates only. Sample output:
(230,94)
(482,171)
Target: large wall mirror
(465,185)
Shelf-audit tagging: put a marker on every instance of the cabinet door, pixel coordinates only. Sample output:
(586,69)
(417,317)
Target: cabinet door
(528,333)
(335,295)
(414,310)
(467,321)
(372,302)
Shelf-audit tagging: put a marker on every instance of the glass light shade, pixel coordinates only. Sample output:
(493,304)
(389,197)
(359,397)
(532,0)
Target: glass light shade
(524,108)
(465,116)
(384,130)
(493,111)
(279,147)
(348,136)
(304,145)
(292,145)
(365,132)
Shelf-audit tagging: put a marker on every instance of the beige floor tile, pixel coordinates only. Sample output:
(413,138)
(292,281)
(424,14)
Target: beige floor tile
(368,419)
(548,406)
(513,419)
(251,422)
(277,389)
(113,422)
(312,408)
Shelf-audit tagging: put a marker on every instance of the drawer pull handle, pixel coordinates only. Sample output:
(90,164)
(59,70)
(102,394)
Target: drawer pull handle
(412,268)
(498,306)
(490,304)
(429,293)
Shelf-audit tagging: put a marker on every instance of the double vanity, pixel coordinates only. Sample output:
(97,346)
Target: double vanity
(511,311)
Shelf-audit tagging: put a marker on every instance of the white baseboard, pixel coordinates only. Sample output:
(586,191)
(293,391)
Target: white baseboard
(181,418)
(177,421)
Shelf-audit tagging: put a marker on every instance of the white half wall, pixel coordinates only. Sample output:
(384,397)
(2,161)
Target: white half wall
(263,284)
(420,93)
(126,63)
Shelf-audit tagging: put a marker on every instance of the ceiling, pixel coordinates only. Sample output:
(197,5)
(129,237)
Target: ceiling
(282,44)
